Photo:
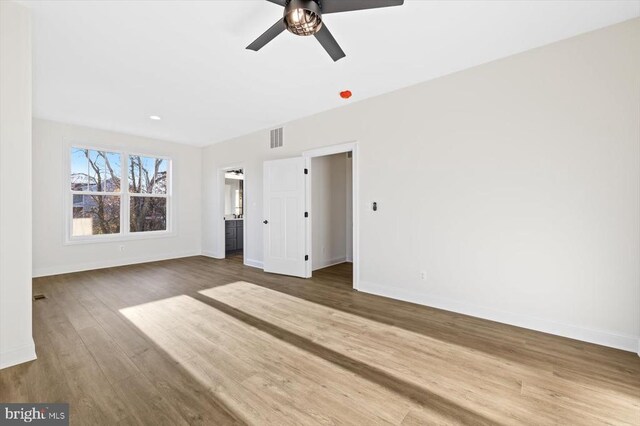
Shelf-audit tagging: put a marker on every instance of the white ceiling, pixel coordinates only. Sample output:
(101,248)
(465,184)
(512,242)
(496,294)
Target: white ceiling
(112,64)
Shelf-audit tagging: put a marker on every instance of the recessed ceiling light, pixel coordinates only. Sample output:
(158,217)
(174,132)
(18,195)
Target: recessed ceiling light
(155,117)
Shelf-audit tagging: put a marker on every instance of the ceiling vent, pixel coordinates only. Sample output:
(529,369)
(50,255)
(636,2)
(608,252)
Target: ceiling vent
(276,138)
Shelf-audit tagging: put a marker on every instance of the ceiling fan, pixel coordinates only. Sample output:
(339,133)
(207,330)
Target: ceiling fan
(304,18)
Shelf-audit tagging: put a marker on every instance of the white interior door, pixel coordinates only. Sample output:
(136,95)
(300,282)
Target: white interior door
(284,217)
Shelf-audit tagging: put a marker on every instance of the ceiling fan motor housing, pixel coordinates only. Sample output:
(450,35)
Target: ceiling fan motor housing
(303,17)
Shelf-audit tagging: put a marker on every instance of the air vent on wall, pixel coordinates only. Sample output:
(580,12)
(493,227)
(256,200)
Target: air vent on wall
(276,138)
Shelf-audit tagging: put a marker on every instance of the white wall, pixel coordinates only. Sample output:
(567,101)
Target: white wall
(524,187)
(16,342)
(349,227)
(52,256)
(328,210)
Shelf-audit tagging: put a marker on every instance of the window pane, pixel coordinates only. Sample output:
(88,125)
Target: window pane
(93,170)
(95,215)
(148,175)
(148,214)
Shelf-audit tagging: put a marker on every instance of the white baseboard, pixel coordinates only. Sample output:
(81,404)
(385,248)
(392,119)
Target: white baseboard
(253,263)
(18,355)
(247,262)
(599,337)
(329,262)
(211,254)
(110,263)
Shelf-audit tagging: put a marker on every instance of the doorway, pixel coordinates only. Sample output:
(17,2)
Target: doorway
(331,211)
(287,204)
(332,198)
(233,190)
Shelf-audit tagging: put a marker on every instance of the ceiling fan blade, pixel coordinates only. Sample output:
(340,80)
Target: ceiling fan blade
(268,35)
(282,3)
(329,43)
(335,6)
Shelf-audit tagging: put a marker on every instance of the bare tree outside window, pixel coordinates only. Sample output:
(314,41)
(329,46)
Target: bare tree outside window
(148,179)
(95,183)
(100,198)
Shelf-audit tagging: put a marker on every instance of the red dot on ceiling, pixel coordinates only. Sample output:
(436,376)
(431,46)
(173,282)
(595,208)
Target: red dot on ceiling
(345,94)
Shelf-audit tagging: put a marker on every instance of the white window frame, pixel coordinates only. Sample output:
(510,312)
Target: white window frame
(125,234)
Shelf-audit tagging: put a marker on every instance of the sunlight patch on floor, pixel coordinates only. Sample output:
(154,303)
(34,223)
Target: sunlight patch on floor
(432,363)
(259,376)
(276,358)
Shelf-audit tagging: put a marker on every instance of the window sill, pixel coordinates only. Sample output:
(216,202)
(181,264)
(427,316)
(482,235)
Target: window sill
(134,236)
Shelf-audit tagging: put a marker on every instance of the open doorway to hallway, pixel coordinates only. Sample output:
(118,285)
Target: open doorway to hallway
(291,207)
(332,212)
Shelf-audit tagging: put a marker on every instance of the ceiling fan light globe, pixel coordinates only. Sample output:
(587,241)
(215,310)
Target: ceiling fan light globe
(303,22)
(303,17)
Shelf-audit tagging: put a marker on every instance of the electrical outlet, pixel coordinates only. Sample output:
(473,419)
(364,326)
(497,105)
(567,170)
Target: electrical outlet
(423,275)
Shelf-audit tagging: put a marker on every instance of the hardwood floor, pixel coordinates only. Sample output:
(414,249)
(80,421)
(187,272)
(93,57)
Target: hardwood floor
(204,341)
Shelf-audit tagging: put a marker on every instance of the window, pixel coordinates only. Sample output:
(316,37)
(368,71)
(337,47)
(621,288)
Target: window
(95,183)
(148,193)
(103,205)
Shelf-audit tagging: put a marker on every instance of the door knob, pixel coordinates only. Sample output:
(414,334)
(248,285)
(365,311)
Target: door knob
(265,221)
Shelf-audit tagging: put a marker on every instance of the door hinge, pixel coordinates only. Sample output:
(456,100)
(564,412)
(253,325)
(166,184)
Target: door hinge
(306,257)
(306,171)
(306,214)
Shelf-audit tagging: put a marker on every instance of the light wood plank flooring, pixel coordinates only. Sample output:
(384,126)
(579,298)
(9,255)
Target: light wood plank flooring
(203,341)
